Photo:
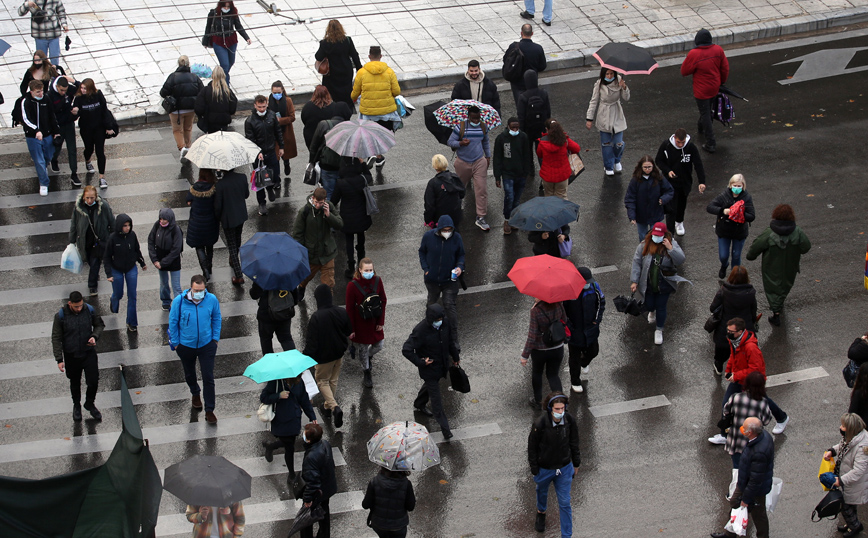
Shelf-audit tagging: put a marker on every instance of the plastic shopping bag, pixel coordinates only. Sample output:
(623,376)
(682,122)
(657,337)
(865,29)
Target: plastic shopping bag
(733,484)
(738,521)
(826,467)
(70,260)
(774,495)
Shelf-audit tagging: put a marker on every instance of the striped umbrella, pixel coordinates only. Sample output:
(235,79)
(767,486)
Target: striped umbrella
(359,138)
(454,112)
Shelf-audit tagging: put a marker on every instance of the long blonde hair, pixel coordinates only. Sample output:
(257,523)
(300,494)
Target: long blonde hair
(334,32)
(218,84)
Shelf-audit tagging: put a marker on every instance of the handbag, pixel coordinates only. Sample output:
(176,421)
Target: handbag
(565,248)
(713,321)
(261,177)
(265,412)
(628,305)
(826,467)
(577,166)
(170,104)
(322,66)
(111,124)
(850,371)
(726,421)
(311,174)
(206,37)
(829,507)
(459,379)
(370,201)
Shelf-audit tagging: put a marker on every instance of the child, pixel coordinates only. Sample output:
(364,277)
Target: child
(513,162)
(121,254)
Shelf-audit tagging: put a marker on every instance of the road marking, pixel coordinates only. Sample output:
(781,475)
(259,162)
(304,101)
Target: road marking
(58,226)
(468,432)
(26,171)
(796,376)
(130,189)
(259,467)
(628,406)
(823,64)
(124,137)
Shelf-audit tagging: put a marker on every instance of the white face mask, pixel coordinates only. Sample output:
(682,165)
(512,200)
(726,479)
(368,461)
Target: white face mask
(264,112)
(514,133)
(657,238)
(586,286)
(446,235)
(225,9)
(303,437)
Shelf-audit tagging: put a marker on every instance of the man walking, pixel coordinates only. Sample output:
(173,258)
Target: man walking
(710,68)
(676,158)
(263,129)
(194,330)
(326,340)
(312,228)
(475,86)
(441,255)
(40,129)
(47,19)
(533,58)
(513,166)
(469,139)
(60,95)
(585,314)
(74,333)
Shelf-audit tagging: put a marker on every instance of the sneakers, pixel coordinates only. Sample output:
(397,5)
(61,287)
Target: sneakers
(578,388)
(717,440)
(262,210)
(618,167)
(540,524)
(94,292)
(75,181)
(610,172)
(379,162)
(507,229)
(43,191)
(370,161)
(586,369)
(526,15)
(679,228)
(658,337)
(103,184)
(54,167)
(132,328)
(90,168)
(718,370)
(652,316)
(480,222)
(709,148)
(781,426)
(167,307)
(183,157)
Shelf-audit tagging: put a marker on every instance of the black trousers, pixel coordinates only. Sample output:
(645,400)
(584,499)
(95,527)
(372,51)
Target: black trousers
(675,209)
(705,122)
(287,443)
(95,141)
(360,247)
(431,391)
(74,366)
(325,525)
(549,360)
(206,260)
(267,330)
(384,533)
(581,357)
(94,262)
(67,134)
(721,355)
(272,162)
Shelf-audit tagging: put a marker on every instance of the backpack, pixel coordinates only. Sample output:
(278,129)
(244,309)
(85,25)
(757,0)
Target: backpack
(17,118)
(371,306)
(556,333)
(533,116)
(513,63)
(60,313)
(463,125)
(721,109)
(281,305)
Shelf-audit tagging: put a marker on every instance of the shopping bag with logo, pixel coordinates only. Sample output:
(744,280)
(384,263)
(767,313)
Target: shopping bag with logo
(70,260)
(261,177)
(738,521)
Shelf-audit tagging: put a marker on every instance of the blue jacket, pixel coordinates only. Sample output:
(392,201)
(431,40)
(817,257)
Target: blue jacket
(194,325)
(756,468)
(585,314)
(642,200)
(439,256)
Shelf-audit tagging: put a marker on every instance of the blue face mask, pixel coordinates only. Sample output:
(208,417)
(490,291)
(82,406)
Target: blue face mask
(303,437)
(437,324)
(368,275)
(38,98)
(514,133)
(657,239)
(277,96)
(586,286)
(610,79)
(199,295)
(736,190)
(557,416)
(90,204)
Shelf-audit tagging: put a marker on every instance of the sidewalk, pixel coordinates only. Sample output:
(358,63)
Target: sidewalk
(129,54)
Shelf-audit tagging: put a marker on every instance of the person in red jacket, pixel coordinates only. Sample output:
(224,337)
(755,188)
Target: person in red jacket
(366,306)
(710,68)
(554,153)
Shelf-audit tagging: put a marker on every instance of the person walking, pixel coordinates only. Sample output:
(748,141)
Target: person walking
(470,141)
(553,455)
(709,67)
(230,210)
(329,161)
(281,104)
(513,167)
(91,225)
(46,22)
(203,228)
(326,340)
(40,69)
(781,245)
(654,274)
(606,113)
(165,243)
(61,93)
(183,87)
(529,11)
(337,49)
(313,228)
(859,394)
(533,58)
(433,348)
(194,330)
(274,314)
(676,158)
(321,107)
(646,196)
(349,194)
(318,472)
(474,86)
(734,210)
(40,130)
(216,104)
(554,151)
(389,496)
(533,109)
(544,347)
(289,399)
(74,334)
(441,255)
(122,251)
(91,108)
(850,475)
(223,27)
(549,242)
(262,128)
(585,314)
(740,406)
(366,306)
(222,522)
(376,87)
(736,298)
(443,194)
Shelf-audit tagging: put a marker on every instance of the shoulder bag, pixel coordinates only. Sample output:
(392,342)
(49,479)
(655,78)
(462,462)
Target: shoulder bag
(577,166)
(371,207)
(460,381)
(322,66)
(713,321)
(265,412)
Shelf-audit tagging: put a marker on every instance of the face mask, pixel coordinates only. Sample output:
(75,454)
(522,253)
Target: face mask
(368,275)
(557,416)
(437,324)
(224,9)
(610,79)
(586,286)
(741,429)
(843,432)
(199,295)
(474,124)
(90,204)
(731,336)
(303,437)
(277,96)
(514,133)
(38,98)
(446,235)
(657,239)
(736,190)
(264,112)
(164,225)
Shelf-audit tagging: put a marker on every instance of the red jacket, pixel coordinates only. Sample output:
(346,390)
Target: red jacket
(709,67)
(745,359)
(365,330)
(555,160)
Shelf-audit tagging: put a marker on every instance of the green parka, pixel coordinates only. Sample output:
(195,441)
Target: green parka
(103,224)
(313,230)
(781,245)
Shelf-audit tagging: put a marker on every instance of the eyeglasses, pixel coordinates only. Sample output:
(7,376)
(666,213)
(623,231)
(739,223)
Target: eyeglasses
(647,166)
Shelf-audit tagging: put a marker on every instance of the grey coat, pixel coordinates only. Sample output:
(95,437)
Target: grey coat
(642,265)
(605,106)
(854,469)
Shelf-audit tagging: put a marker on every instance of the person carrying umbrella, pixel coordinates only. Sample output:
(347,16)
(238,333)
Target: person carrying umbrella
(710,68)
(606,112)
(377,85)
(312,228)
(318,472)
(210,521)
(470,141)
(289,398)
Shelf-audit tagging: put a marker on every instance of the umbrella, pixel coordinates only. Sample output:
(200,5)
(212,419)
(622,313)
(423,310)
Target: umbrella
(547,278)
(440,132)
(403,446)
(207,481)
(544,213)
(283,365)
(359,138)
(274,260)
(733,93)
(454,112)
(223,150)
(306,516)
(626,58)
(4,46)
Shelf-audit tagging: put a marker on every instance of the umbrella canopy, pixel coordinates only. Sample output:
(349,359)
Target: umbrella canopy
(626,58)
(223,150)
(403,446)
(283,365)
(4,46)
(359,138)
(207,481)
(274,260)
(544,214)
(547,278)
(440,132)
(454,112)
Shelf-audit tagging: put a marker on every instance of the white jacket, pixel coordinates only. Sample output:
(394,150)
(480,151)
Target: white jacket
(854,464)
(606,108)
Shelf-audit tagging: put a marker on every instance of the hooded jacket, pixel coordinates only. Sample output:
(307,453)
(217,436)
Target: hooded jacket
(378,86)
(62,104)
(439,256)
(443,196)
(682,161)
(781,245)
(203,228)
(745,358)
(230,194)
(214,115)
(533,127)
(482,89)
(349,193)
(165,244)
(534,57)
(264,131)
(513,157)
(184,86)
(585,314)
(389,498)
(555,159)
(439,345)
(605,106)
(122,250)
(552,447)
(756,468)
(313,230)
(708,65)
(643,198)
(80,224)
(38,116)
(194,325)
(328,331)
(737,301)
(318,471)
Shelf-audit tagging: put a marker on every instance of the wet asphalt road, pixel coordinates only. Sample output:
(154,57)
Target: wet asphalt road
(644,472)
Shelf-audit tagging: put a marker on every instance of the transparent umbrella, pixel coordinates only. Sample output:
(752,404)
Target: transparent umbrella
(403,446)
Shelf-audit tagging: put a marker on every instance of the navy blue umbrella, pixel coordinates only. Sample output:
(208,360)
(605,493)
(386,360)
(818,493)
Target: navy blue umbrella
(544,214)
(275,261)
(4,46)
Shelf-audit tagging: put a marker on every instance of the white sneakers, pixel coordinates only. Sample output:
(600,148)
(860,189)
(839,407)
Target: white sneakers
(679,228)
(618,167)
(183,157)
(717,440)
(578,388)
(781,426)
(43,191)
(585,369)
(610,172)
(652,316)
(658,337)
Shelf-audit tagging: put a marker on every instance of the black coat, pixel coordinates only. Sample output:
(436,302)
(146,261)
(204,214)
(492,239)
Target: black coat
(62,104)
(550,447)
(287,412)
(203,228)
(534,58)
(311,115)
(533,130)
(443,196)
(343,59)
(724,227)
(389,498)
(214,115)
(38,116)
(263,313)
(490,96)
(739,301)
(230,207)
(858,352)
(585,315)
(682,161)
(122,250)
(318,472)
(165,244)
(858,405)
(328,331)
(549,246)
(184,86)
(264,131)
(349,193)
(220,25)
(756,468)
(439,345)
(69,335)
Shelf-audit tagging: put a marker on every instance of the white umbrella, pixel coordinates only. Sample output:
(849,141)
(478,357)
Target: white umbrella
(223,150)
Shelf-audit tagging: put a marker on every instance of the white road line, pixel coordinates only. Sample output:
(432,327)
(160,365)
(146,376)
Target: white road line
(796,376)
(129,189)
(146,161)
(124,137)
(628,406)
(143,220)
(259,467)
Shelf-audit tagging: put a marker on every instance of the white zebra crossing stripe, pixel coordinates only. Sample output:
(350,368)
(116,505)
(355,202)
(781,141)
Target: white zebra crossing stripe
(146,161)
(130,189)
(124,137)
(629,406)
(143,220)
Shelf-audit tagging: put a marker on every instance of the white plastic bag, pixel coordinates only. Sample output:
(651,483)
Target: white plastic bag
(309,384)
(733,484)
(70,260)
(774,495)
(738,521)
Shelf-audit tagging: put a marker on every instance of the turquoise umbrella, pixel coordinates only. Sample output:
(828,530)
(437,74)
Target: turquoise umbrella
(283,365)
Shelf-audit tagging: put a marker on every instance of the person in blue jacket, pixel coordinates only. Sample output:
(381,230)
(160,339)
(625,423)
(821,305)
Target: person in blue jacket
(646,195)
(194,330)
(289,398)
(441,255)
(585,314)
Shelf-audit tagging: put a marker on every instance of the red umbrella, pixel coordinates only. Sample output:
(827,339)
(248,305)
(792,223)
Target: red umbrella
(547,278)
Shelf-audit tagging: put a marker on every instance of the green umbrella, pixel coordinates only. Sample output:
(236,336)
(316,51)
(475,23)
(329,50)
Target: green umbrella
(283,365)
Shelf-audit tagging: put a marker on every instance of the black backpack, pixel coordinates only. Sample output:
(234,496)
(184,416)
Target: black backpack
(556,333)
(281,305)
(533,116)
(371,306)
(17,119)
(513,63)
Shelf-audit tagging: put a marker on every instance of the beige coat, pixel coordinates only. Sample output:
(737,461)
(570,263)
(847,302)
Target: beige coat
(854,469)
(605,106)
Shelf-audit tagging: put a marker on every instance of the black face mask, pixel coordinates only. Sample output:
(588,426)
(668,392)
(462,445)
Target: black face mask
(843,432)
(731,336)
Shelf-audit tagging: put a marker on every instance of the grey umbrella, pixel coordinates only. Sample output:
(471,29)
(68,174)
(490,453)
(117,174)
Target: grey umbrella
(207,481)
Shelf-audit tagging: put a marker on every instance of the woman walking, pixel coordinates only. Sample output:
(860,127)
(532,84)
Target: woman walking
(121,254)
(781,246)
(850,471)
(545,347)
(89,229)
(389,497)
(289,398)
(321,107)
(751,402)
(274,317)
(605,111)
(366,305)
(281,104)
(40,69)
(734,210)
(230,209)
(736,298)
(554,153)
(215,104)
(223,23)
(337,48)
(203,228)
(91,108)
(183,86)
(349,193)
(646,195)
(443,194)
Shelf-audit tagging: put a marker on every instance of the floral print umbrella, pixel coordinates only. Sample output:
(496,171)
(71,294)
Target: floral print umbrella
(403,446)
(454,112)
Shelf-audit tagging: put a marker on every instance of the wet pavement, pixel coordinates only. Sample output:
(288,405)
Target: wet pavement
(646,465)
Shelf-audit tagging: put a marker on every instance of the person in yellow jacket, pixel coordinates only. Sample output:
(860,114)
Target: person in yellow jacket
(377,85)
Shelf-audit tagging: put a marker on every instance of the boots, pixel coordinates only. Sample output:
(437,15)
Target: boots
(204,263)
(351,269)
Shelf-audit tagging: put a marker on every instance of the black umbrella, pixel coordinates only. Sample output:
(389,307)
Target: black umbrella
(306,516)
(440,132)
(727,91)
(544,214)
(626,58)
(207,481)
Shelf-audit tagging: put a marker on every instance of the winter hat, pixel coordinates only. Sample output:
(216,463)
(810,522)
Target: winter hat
(659,229)
(703,38)
(586,274)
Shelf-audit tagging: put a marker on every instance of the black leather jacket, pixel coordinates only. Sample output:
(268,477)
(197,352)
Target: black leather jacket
(264,131)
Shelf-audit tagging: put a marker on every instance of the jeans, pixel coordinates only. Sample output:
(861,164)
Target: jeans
(613,148)
(549,360)
(449,289)
(547,9)
(705,123)
(131,277)
(656,302)
(51,47)
(563,479)
(166,294)
(581,357)
(723,249)
(67,134)
(513,187)
(735,388)
(643,230)
(267,330)
(271,161)
(431,391)
(226,57)
(41,151)
(205,354)
(328,179)
(74,367)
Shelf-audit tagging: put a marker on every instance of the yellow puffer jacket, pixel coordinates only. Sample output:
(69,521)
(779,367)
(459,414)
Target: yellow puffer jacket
(378,86)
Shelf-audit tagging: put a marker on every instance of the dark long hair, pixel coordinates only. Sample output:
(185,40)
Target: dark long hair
(232,9)
(603,75)
(861,385)
(555,133)
(755,386)
(655,174)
